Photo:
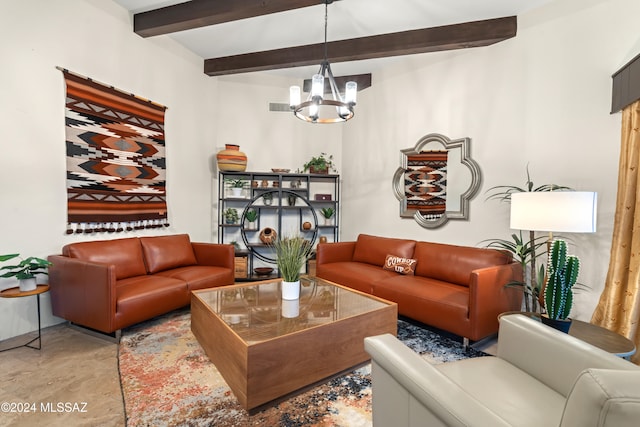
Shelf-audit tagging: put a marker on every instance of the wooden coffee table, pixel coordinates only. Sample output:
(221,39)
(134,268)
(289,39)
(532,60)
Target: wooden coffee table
(266,348)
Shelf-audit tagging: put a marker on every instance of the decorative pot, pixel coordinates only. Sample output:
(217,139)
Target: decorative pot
(231,159)
(306,225)
(290,308)
(563,325)
(327,221)
(291,199)
(323,239)
(324,171)
(290,290)
(236,191)
(28,285)
(268,235)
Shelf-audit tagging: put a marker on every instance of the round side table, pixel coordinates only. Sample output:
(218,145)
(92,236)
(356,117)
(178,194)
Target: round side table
(16,293)
(595,335)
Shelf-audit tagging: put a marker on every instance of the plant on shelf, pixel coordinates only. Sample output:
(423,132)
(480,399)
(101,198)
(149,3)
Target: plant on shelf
(320,164)
(526,252)
(292,254)
(230,215)
(268,198)
(236,185)
(236,182)
(251,216)
(25,271)
(327,212)
(562,273)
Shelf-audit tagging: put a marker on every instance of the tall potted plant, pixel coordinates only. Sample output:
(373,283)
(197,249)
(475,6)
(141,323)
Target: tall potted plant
(292,254)
(562,274)
(529,251)
(25,271)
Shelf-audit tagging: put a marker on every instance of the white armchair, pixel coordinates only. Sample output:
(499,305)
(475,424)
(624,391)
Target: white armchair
(540,377)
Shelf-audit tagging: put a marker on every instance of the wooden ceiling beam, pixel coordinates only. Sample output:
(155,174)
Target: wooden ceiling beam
(448,37)
(201,13)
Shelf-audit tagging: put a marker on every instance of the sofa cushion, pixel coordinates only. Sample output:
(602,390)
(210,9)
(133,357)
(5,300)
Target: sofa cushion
(166,252)
(400,265)
(200,276)
(454,264)
(373,249)
(124,254)
(356,275)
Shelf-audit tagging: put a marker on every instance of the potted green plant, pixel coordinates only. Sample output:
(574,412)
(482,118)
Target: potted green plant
(25,271)
(530,250)
(267,198)
(320,164)
(327,213)
(292,254)
(236,185)
(251,216)
(230,215)
(562,274)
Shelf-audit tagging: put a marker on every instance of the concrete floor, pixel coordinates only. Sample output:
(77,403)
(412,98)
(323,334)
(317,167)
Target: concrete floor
(72,381)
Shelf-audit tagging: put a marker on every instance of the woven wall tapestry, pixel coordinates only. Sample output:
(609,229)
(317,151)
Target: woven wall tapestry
(115,159)
(425,183)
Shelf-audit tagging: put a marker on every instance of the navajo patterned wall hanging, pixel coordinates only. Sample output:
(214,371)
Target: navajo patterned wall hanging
(425,183)
(115,159)
(436,180)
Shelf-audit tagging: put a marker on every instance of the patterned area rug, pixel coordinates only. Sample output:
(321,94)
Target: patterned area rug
(167,379)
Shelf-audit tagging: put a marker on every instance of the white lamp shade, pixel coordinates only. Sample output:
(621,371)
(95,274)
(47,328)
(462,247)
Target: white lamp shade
(560,211)
(350,92)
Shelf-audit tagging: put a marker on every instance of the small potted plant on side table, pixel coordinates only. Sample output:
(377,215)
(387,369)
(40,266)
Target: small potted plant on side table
(562,273)
(25,271)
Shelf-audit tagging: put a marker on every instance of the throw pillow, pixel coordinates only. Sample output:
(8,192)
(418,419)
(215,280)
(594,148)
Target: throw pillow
(400,264)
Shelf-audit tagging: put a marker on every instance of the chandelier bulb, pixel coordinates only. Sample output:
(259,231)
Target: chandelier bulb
(294,96)
(350,93)
(317,86)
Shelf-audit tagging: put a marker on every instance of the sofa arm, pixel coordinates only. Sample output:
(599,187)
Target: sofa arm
(603,398)
(334,252)
(214,254)
(408,388)
(83,292)
(488,297)
(551,356)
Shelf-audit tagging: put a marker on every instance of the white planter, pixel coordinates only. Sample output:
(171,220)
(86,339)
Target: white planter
(28,285)
(290,290)
(236,192)
(290,308)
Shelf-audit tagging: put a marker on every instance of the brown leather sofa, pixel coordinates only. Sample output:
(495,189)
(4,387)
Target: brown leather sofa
(111,284)
(458,289)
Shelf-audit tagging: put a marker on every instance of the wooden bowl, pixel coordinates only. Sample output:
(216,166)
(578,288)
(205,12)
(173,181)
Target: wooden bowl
(263,271)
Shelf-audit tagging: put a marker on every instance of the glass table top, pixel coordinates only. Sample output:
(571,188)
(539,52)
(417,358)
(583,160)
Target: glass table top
(256,312)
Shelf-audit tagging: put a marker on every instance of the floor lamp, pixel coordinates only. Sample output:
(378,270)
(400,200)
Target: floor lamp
(553,211)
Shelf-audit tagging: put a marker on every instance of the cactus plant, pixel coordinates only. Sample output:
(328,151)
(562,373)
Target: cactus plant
(562,273)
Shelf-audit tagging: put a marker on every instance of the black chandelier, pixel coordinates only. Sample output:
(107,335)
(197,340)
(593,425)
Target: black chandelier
(317,109)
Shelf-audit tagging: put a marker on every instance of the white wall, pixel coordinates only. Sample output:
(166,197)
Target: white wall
(93,38)
(541,98)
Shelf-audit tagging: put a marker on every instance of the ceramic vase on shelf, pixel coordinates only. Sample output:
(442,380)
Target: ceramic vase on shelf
(290,290)
(231,159)
(268,235)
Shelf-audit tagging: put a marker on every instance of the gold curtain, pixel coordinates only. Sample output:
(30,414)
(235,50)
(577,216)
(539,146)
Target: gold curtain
(619,305)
